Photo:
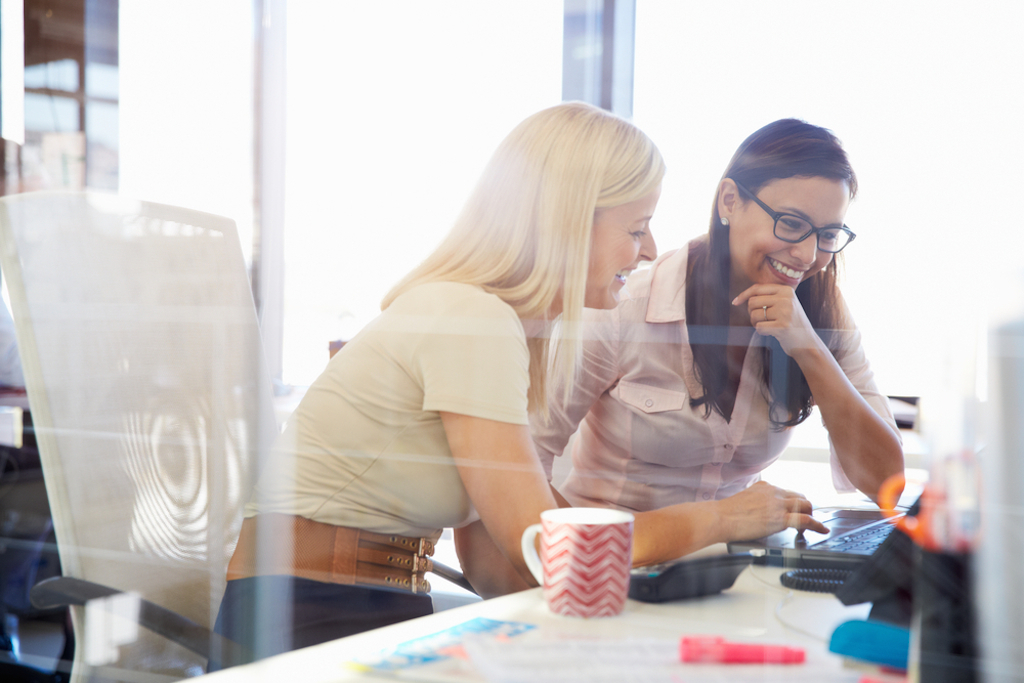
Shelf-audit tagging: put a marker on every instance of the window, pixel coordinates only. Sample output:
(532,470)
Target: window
(393,110)
(70,98)
(186,106)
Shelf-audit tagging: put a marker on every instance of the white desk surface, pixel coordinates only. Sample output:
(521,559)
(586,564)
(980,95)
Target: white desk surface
(756,609)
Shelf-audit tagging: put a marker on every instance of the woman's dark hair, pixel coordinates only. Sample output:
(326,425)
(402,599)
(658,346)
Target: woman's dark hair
(783,149)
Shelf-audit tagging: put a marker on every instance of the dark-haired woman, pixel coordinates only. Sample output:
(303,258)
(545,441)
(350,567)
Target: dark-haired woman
(690,386)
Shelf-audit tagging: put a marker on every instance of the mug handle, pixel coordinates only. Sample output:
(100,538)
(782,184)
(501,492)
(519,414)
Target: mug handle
(530,552)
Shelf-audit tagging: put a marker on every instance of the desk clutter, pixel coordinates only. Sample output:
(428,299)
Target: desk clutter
(505,652)
(908,586)
(533,645)
(659,638)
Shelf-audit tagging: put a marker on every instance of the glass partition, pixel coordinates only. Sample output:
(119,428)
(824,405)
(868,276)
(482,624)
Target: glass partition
(139,333)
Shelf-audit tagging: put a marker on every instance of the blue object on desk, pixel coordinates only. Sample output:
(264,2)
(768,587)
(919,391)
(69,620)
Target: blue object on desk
(872,641)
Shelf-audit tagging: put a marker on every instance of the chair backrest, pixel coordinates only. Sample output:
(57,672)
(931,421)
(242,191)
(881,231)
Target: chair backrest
(150,398)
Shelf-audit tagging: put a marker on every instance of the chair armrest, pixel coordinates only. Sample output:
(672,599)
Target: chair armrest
(61,591)
(453,575)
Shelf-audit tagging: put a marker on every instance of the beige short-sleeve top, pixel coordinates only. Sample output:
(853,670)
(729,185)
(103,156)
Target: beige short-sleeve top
(366,447)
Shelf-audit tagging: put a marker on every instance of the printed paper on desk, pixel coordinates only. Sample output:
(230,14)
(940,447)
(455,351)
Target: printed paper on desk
(566,660)
(438,646)
(539,659)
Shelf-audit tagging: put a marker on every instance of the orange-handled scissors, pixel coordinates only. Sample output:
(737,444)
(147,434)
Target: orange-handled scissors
(919,528)
(948,519)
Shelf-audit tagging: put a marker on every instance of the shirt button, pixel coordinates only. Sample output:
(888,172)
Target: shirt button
(707,496)
(728,446)
(649,403)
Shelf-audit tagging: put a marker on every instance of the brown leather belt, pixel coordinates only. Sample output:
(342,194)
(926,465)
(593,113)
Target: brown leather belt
(334,554)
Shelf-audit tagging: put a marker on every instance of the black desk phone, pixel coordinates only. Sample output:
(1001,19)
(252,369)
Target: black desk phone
(687,578)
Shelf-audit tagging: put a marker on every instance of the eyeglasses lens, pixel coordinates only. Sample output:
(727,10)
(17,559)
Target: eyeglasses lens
(796,229)
(833,240)
(792,228)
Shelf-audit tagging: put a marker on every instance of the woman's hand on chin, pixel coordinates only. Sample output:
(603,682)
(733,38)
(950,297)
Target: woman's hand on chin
(775,311)
(763,509)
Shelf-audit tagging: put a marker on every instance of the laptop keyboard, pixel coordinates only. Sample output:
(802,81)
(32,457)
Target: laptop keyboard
(862,542)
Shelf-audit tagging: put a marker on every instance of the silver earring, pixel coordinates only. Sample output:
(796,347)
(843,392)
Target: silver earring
(725,221)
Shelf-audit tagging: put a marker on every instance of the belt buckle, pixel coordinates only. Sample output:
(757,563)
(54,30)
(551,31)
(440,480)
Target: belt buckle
(416,584)
(421,564)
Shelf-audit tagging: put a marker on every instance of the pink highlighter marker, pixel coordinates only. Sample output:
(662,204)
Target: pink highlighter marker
(717,650)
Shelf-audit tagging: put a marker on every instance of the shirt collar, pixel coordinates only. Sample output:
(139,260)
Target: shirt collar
(667,302)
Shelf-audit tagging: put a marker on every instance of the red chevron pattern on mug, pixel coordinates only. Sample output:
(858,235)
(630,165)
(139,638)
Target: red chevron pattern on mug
(586,567)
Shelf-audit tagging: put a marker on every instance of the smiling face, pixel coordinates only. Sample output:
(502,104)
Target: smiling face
(757,255)
(620,240)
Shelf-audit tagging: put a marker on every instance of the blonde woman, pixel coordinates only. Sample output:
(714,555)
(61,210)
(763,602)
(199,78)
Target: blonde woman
(421,421)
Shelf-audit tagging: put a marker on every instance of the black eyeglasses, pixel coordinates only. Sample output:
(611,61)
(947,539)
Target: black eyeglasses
(793,229)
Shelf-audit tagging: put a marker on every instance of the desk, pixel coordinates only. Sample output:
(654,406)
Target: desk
(756,609)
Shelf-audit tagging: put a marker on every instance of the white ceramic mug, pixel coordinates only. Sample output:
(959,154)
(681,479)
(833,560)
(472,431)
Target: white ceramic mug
(584,562)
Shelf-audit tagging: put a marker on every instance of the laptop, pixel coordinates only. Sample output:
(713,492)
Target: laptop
(854,534)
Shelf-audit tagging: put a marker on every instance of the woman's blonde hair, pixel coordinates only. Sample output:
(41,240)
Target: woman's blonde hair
(524,234)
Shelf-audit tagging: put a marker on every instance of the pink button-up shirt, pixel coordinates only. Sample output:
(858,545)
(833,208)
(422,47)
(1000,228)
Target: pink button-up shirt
(641,446)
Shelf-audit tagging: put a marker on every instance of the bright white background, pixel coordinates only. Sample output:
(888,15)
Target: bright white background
(186,106)
(926,99)
(394,107)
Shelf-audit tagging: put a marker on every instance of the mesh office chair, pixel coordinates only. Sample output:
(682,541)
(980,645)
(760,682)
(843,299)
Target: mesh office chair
(150,400)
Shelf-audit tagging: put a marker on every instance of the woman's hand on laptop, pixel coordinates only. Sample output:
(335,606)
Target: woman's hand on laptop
(763,509)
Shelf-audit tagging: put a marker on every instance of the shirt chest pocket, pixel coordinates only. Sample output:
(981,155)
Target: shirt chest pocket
(657,421)
(650,399)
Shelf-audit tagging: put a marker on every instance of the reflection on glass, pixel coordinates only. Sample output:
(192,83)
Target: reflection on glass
(101,124)
(101,80)
(54,152)
(59,75)
(101,130)
(50,113)
(581,50)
